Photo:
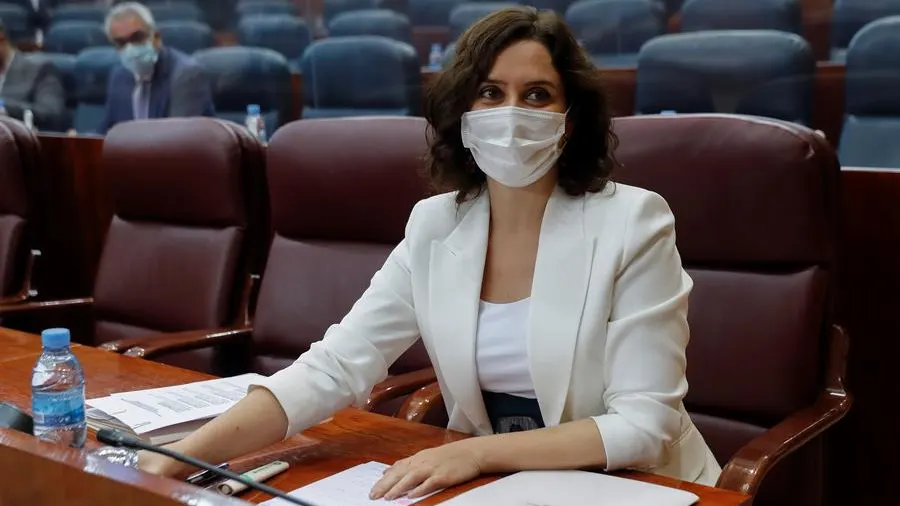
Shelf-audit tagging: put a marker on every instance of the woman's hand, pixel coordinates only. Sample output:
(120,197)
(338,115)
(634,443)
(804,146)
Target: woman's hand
(429,471)
(154,463)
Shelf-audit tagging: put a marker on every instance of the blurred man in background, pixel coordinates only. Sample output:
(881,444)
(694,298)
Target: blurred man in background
(153,81)
(29,82)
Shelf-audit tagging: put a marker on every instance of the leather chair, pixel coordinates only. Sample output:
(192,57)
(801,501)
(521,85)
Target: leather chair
(341,191)
(92,69)
(755,202)
(19,163)
(613,31)
(700,15)
(287,35)
(72,37)
(850,16)
(186,36)
(186,198)
(384,22)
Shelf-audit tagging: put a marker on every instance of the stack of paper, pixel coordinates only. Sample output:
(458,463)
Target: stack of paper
(571,488)
(164,415)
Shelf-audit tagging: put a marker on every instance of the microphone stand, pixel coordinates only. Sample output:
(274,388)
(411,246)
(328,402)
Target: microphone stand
(116,438)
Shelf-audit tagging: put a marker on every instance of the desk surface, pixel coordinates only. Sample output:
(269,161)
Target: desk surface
(352,437)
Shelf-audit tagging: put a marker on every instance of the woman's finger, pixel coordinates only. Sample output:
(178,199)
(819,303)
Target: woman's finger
(388,480)
(428,486)
(413,478)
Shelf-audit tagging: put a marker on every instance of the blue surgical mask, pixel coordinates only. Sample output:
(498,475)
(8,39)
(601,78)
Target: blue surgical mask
(140,59)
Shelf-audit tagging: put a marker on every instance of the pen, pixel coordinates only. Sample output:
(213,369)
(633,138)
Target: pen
(202,477)
(260,474)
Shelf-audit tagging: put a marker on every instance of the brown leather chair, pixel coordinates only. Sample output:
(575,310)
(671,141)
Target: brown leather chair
(341,191)
(19,165)
(755,203)
(179,247)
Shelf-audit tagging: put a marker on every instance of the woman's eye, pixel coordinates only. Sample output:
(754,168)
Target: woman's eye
(489,93)
(538,95)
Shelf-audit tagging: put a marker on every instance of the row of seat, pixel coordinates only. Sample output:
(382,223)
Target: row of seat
(198,210)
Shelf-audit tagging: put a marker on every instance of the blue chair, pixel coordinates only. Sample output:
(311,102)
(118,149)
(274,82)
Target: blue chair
(287,35)
(74,36)
(332,8)
(365,75)
(559,6)
(270,7)
(754,72)
(248,75)
(186,36)
(18,22)
(699,15)
(181,11)
(65,65)
(465,15)
(613,31)
(849,16)
(92,69)
(872,121)
(431,12)
(384,22)
(79,12)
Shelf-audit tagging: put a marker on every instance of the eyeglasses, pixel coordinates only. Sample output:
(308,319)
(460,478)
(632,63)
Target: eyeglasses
(138,37)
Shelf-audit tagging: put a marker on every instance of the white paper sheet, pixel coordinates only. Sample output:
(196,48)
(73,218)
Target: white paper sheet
(347,488)
(570,488)
(148,410)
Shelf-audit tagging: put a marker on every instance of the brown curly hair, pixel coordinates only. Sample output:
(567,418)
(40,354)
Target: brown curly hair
(587,159)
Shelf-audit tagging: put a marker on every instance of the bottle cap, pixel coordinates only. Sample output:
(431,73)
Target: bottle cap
(436,46)
(55,338)
(253,109)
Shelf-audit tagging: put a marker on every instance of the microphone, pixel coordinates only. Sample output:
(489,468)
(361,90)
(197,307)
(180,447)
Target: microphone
(117,438)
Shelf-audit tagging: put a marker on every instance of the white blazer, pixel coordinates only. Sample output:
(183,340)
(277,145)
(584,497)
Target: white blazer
(607,332)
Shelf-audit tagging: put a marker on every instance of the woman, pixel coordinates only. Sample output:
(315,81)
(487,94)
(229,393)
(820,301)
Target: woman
(552,305)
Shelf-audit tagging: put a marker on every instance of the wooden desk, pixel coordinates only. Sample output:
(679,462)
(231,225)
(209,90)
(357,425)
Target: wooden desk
(352,437)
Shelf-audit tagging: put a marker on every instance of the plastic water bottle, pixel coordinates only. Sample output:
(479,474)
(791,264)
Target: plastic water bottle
(57,392)
(28,119)
(436,57)
(255,123)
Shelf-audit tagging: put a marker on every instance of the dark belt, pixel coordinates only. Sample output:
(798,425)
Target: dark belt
(511,413)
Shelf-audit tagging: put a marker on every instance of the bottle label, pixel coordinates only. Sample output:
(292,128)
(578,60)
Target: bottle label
(58,408)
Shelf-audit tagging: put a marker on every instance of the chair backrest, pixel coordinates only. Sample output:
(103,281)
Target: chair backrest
(79,12)
(755,203)
(65,66)
(431,12)
(288,35)
(364,75)
(72,37)
(559,6)
(613,27)
(849,16)
(248,75)
(784,15)
(18,22)
(178,249)
(19,163)
(332,8)
(180,11)
(872,120)
(383,22)
(92,69)
(759,72)
(186,36)
(270,7)
(467,14)
(341,191)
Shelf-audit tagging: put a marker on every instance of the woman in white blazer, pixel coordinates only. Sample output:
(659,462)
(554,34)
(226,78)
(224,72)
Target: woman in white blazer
(553,305)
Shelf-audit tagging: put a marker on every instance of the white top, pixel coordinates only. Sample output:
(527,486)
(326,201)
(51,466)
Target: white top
(501,348)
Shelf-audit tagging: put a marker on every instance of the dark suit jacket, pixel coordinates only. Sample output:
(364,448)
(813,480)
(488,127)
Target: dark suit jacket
(34,83)
(179,88)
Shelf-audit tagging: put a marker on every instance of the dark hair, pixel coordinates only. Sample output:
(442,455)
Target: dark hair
(587,158)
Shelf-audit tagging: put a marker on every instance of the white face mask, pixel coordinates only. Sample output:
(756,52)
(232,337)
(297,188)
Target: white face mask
(512,145)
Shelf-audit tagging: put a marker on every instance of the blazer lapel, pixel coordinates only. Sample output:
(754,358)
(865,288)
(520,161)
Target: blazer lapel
(558,293)
(456,272)
(160,88)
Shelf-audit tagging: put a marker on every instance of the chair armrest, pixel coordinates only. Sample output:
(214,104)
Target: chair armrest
(161,344)
(398,386)
(417,406)
(747,468)
(48,305)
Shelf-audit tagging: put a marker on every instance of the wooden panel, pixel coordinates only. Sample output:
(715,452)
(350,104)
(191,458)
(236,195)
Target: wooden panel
(352,437)
(867,442)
